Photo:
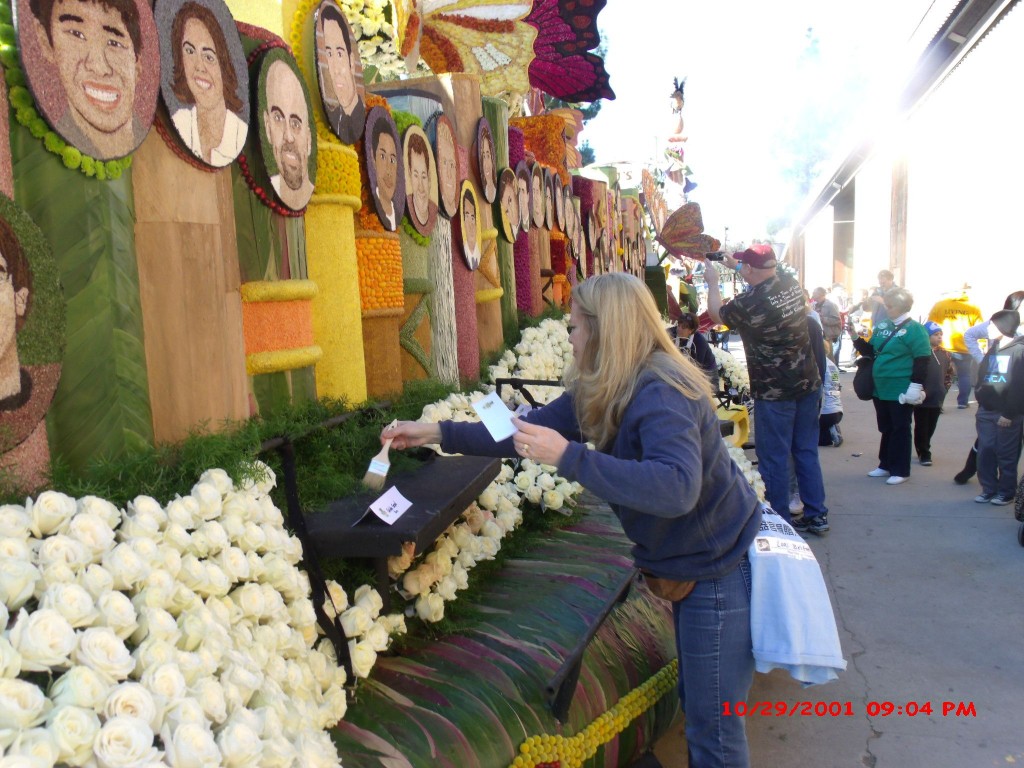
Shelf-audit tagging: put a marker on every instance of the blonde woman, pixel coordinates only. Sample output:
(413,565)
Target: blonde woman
(661,464)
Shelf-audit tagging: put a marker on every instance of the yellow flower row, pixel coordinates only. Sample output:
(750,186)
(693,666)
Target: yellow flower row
(337,170)
(572,752)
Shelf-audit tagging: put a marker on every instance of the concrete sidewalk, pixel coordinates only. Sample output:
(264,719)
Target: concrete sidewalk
(928,590)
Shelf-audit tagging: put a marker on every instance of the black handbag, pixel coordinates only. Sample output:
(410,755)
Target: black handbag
(864,378)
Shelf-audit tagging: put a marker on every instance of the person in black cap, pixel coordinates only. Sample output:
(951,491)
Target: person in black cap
(1000,418)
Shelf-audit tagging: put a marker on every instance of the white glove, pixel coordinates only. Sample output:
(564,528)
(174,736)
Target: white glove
(913,396)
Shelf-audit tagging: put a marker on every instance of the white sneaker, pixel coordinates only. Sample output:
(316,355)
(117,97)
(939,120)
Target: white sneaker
(896,480)
(795,505)
(878,472)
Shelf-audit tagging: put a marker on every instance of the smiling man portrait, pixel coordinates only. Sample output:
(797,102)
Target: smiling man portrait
(286,122)
(96,48)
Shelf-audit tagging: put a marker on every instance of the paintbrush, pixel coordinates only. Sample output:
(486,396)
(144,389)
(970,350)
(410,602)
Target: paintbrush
(379,465)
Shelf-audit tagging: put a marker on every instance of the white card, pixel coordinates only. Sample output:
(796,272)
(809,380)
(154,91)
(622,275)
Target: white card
(496,417)
(391,506)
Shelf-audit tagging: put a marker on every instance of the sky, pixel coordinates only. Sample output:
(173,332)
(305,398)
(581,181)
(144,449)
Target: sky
(748,86)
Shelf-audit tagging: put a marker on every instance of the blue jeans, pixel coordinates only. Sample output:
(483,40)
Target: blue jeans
(785,429)
(966,370)
(716,665)
(998,453)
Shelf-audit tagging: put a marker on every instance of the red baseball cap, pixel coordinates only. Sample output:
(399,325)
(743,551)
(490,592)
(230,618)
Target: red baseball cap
(758,256)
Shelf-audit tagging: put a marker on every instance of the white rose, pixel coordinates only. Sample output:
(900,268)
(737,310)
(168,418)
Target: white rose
(124,742)
(147,505)
(240,745)
(316,750)
(274,602)
(156,623)
(101,649)
(62,550)
(10,659)
(93,532)
(216,582)
(215,534)
(254,539)
(14,521)
(250,599)
(363,657)
(368,598)
(44,639)
(132,700)
(181,599)
(36,744)
(72,602)
(94,505)
(209,500)
(524,481)
(460,575)
(194,625)
(74,729)
(338,598)
(183,512)
(378,636)
(57,573)
(219,479)
(491,530)
(140,525)
(334,706)
(278,752)
(355,621)
(182,712)
(117,613)
(160,579)
(17,582)
(125,566)
(210,695)
(147,549)
(96,580)
(430,607)
(446,588)
(245,681)
(489,548)
(22,704)
(151,653)
(302,613)
(79,687)
(488,498)
(50,513)
(177,537)
(16,549)
(233,562)
(534,494)
(552,500)
(165,680)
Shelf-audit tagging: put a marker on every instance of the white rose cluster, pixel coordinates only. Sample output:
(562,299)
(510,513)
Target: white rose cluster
(747,468)
(171,635)
(733,372)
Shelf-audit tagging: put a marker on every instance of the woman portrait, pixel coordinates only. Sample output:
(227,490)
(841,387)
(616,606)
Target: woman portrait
(556,194)
(549,199)
(523,194)
(469,220)
(339,73)
(537,187)
(207,88)
(447,165)
(508,204)
(420,181)
(385,168)
(485,160)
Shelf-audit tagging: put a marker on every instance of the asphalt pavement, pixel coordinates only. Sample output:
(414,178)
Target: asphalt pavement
(928,592)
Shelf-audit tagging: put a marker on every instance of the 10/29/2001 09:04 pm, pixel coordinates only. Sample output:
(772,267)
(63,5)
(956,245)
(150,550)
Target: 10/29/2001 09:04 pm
(848,709)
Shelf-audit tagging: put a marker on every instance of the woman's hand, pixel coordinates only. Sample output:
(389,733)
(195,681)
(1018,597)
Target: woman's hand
(540,444)
(410,434)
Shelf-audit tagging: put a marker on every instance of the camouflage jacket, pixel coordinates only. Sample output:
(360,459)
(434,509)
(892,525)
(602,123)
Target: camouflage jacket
(771,318)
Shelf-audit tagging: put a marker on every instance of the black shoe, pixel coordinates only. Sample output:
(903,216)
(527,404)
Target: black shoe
(961,477)
(816,525)
(926,461)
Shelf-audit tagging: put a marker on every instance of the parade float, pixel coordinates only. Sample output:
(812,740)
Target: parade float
(220,290)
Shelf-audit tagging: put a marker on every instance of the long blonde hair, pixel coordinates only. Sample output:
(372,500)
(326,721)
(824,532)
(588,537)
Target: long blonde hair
(626,339)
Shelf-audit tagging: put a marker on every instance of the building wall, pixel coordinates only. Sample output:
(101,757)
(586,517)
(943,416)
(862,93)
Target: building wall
(966,160)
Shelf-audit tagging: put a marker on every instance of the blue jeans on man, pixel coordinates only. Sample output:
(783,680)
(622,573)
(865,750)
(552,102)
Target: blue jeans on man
(784,431)
(716,666)
(966,371)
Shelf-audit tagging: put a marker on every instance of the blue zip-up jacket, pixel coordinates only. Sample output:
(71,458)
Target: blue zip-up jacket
(667,475)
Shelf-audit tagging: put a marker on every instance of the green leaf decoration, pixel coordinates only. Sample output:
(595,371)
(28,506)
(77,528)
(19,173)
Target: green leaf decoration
(486,684)
(101,407)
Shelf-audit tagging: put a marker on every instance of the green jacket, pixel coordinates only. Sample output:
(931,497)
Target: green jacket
(894,365)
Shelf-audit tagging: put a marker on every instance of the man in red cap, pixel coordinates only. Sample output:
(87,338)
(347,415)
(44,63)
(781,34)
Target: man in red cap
(771,320)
